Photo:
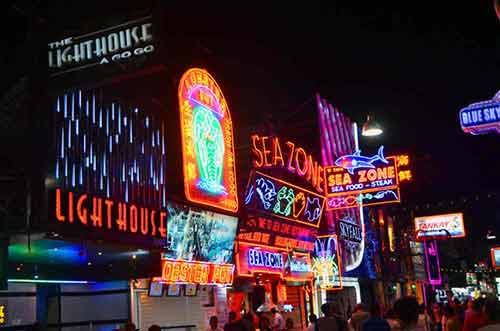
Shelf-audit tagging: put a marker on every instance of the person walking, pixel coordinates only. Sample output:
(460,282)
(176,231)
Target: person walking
(328,322)
(233,324)
(406,310)
(313,323)
(375,322)
(358,317)
(213,324)
(474,318)
(452,320)
(278,322)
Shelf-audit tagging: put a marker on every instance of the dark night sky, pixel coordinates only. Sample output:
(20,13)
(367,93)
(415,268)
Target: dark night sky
(413,64)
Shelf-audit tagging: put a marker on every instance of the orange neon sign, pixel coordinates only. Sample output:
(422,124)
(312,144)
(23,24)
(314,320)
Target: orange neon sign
(194,272)
(495,258)
(269,152)
(85,210)
(207,142)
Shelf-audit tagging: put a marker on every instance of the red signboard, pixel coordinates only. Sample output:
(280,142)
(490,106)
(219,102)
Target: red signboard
(203,273)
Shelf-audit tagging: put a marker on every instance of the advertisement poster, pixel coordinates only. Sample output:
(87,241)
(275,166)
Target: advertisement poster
(440,226)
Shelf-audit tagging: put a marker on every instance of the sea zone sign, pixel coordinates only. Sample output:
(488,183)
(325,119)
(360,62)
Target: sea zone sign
(356,179)
(440,226)
(114,44)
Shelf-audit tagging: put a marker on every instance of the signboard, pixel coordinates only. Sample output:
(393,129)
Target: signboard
(470,278)
(349,230)
(404,170)
(207,142)
(481,117)
(326,263)
(440,226)
(417,257)
(108,166)
(190,272)
(432,262)
(358,179)
(251,259)
(119,43)
(271,152)
(199,235)
(495,258)
(276,232)
(274,197)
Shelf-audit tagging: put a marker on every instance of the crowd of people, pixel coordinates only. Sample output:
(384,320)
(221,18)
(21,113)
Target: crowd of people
(405,315)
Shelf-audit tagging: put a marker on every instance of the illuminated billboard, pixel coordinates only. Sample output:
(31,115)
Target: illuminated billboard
(270,152)
(207,142)
(260,229)
(199,235)
(190,272)
(275,197)
(440,226)
(107,170)
(432,262)
(252,259)
(357,179)
(481,117)
(326,263)
(495,258)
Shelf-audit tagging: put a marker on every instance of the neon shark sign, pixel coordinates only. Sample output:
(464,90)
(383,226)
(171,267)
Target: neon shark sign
(357,161)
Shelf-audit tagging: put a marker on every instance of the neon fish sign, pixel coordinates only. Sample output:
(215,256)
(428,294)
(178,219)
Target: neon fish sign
(357,161)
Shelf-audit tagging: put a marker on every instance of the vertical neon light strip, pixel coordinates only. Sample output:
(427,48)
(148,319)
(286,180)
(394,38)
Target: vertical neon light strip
(339,136)
(100,154)
(209,162)
(438,280)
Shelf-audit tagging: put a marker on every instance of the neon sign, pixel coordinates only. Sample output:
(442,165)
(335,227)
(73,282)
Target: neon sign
(360,179)
(3,314)
(203,273)
(269,152)
(265,259)
(207,140)
(481,117)
(432,261)
(440,226)
(252,258)
(278,198)
(495,258)
(326,263)
(84,210)
(350,231)
(403,164)
(276,232)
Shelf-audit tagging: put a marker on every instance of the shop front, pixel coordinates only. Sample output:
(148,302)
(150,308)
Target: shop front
(270,277)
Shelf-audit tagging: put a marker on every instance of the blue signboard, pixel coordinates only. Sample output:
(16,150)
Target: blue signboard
(481,117)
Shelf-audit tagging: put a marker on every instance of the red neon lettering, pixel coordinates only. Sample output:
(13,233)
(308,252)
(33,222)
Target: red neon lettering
(109,214)
(70,207)
(81,211)
(59,216)
(320,180)
(121,221)
(96,216)
(277,152)
(290,156)
(301,171)
(162,229)
(259,162)
(265,151)
(144,221)
(133,219)
(153,224)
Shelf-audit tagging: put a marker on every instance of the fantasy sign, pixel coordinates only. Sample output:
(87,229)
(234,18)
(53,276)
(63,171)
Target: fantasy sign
(359,179)
(270,152)
(440,226)
(278,198)
(207,142)
(481,117)
(326,263)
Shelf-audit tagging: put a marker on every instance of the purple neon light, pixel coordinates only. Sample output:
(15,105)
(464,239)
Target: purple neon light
(114,150)
(432,281)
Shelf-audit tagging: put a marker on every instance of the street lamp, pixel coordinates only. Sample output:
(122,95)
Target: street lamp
(371,128)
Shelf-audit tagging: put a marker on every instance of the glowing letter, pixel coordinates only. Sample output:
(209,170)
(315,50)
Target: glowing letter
(133,219)
(257,163)
(277,152)
(59,216)
(81,212)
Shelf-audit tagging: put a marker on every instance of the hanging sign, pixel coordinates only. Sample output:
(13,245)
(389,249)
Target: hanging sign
(350,231)
(113,44)
(432,262)
(440,226)
(481,117)
(326,263)
(207,142)
(359,179)
(278,198)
